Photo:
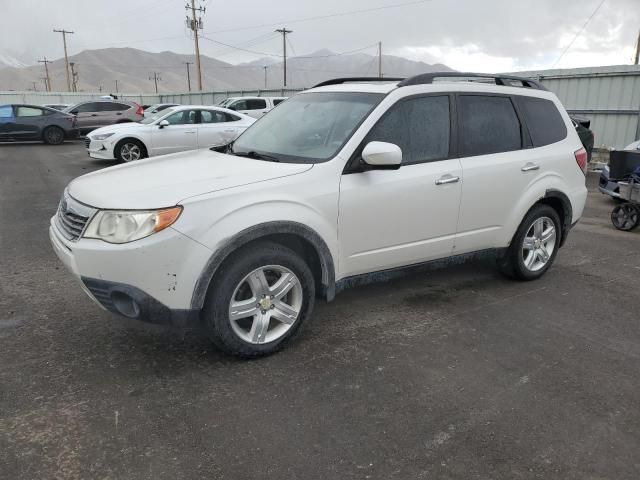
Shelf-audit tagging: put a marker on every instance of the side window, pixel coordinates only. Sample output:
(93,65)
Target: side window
(6,111)
(276,101)
(419,126)
(113,107)
(545,124)
(231,118)
(87,107)
(212,116)
(256,104)
(184,117)
(489,125)
(239,105)
(29,112)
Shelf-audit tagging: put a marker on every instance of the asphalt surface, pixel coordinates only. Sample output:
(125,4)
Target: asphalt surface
(459,373)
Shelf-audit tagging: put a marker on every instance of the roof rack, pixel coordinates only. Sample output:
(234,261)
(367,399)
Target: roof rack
(504,80)
(339,81)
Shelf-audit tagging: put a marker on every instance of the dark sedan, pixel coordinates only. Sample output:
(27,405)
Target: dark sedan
(20,122)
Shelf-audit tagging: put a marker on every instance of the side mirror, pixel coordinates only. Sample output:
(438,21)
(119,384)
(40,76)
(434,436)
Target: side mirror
(163,123)
(382,155)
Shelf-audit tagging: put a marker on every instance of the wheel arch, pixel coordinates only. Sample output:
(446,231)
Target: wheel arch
(131,137)
(300,238)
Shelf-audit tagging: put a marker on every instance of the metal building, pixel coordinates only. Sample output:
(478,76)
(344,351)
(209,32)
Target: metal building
(609,96)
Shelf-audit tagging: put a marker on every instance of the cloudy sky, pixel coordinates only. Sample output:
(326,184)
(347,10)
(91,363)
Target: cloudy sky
(475,35)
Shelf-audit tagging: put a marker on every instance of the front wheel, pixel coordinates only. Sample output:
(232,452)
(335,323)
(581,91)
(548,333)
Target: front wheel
(535,244)
(625,217)
(259,300)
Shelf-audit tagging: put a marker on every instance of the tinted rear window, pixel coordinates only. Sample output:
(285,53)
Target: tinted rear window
(113,107)
(489,125)
(543,120)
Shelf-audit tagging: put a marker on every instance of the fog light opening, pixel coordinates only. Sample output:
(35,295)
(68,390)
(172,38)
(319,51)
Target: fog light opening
(125,305)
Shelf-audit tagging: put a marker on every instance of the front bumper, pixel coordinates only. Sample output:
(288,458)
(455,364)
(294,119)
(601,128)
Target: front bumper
(151,279)
(99,149)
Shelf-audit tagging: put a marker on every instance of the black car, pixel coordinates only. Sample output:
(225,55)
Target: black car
(20,122)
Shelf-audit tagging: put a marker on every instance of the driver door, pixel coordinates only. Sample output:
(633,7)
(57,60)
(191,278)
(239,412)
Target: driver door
(181,134)
(393,218)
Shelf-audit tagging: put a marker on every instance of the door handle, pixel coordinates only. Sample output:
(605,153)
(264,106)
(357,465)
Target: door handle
(448,178)
(191,131)
(529,167)
(229,130)
(94,114)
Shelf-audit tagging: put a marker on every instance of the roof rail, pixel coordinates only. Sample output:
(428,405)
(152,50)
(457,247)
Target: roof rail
(504,80)
(339,81)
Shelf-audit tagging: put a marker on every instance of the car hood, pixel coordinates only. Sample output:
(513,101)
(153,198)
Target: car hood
(166,180)
(114,128)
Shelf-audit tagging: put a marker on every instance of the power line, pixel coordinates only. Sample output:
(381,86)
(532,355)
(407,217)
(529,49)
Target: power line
(578,34)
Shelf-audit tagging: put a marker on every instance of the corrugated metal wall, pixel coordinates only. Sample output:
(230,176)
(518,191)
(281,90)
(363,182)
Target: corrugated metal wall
(609,96)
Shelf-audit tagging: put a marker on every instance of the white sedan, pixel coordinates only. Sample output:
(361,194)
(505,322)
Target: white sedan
(176,129)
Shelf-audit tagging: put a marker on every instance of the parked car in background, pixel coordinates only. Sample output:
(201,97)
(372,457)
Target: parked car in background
(57,106)
(174,129)
(343,184)
(610,186)
(582,126)
(252,106)
(158,107)
(20,122)
(95,114)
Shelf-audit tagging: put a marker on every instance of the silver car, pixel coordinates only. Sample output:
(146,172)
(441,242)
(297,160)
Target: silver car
(95,114)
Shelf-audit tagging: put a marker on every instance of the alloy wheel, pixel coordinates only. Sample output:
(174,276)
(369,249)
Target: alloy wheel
(265,304)
(130,152)
(538,244)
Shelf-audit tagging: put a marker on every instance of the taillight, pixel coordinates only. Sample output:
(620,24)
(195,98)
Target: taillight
(582,159)
(139,110)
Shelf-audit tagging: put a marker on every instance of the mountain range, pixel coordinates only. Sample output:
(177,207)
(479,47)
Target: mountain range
(134,70)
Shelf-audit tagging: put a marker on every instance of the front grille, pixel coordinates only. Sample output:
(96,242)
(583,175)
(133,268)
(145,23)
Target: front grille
(72,217)
(87,142)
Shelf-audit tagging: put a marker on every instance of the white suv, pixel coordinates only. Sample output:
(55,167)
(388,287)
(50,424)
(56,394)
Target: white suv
(255,107)
(342,184)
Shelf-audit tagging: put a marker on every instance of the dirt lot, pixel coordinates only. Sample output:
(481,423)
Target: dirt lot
(456,374)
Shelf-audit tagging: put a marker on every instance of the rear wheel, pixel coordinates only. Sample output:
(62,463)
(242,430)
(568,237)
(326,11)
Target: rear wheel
(129,150)
(625,217)
(259,300)
(53,135)
(535,244)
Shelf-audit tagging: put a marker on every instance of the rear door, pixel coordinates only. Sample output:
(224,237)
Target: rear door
(216,128)
(495,152)
(29,122)
(87,115)
(112,112)
(181,134)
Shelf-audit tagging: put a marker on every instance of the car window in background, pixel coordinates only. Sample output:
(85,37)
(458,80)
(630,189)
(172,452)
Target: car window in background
(112,107)
(545,124)
(212,116)
(6,111)
(276,101)
(309,127)
(84,107)
(256,104)
(156,116)
(239,105)
(489,125)
(185,117)
(231,118)
(419,126)
(29,112)
(163,107)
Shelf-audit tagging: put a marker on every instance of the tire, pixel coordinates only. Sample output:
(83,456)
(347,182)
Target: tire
(53,135)
(625,217)
(542,230)
(238,328)
(129,150)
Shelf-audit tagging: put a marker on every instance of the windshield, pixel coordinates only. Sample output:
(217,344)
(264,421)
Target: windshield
(225,102)
(156,116)
(307,128)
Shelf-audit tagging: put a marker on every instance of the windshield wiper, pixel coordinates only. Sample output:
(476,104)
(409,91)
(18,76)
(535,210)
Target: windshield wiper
(257,156)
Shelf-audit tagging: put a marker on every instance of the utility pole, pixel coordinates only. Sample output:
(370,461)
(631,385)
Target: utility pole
(116,86)
(188,74)
(47,80)
(284,32)
(35,89)
(195,24)
(66,57)
(155,77)
(74,77)
(265,77)
(637,57)
(380,59)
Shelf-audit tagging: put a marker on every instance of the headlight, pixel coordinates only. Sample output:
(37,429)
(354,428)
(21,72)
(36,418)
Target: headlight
(102,136)
(122,226)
